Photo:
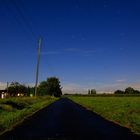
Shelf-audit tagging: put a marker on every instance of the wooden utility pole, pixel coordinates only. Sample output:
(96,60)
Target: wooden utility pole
(38,62)
(7,86)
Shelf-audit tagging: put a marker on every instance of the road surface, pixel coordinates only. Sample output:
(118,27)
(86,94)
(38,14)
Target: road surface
(65,120)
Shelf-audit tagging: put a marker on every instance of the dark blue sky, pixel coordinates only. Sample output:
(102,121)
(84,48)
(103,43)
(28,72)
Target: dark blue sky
(86,43)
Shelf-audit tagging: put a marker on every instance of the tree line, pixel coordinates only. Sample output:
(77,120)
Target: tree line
(128,90)
(92,91)
(51,86)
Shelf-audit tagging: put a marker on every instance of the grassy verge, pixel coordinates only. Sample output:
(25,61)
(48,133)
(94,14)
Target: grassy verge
(14,110)
(122,110)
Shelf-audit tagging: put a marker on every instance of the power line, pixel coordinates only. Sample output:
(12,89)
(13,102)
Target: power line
(23,8)
(23,17)
(19,8)
(12,10)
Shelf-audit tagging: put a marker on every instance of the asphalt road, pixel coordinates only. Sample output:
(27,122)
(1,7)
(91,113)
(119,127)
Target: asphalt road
(65,120)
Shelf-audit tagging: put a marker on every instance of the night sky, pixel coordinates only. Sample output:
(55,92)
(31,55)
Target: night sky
(86,43)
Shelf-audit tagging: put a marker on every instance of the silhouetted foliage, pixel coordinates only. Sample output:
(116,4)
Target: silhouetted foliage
(128,90)
(93,91)
(137,92)
(119,92)
(16,88)
(89,91)
(50,87)
(54,87)
(30,90)
(42,88)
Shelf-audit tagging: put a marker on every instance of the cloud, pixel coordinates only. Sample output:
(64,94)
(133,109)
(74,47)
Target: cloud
(101,88)
(3,85)
(29,84)
(77,88)
(111,87)
(77,51)
(51,53)
(71,50)
(122,85)
(73,88)
(136,86)
(121,80)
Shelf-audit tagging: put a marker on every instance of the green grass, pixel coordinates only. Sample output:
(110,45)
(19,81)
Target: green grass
(124,111)
(14,110)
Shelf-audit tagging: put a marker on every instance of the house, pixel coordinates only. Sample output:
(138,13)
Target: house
(3,93)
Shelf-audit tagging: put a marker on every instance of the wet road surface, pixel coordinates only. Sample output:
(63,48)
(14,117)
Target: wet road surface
(65,120)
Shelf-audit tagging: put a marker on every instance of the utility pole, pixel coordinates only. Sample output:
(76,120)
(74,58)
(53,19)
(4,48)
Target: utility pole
(38,61)
(7,87)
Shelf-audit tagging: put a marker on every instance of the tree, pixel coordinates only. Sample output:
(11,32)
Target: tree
(16,88)
(129,90)
(89,91)
(22,89)
(119,92)
(42,89)
(93,91)
(137,92)
(31,91)
(54,87)
(13,88)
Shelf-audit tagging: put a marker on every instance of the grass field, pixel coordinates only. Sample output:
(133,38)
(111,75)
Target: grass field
(122,110)
(14,110)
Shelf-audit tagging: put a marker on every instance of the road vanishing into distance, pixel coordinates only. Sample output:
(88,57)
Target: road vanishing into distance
(66,120)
